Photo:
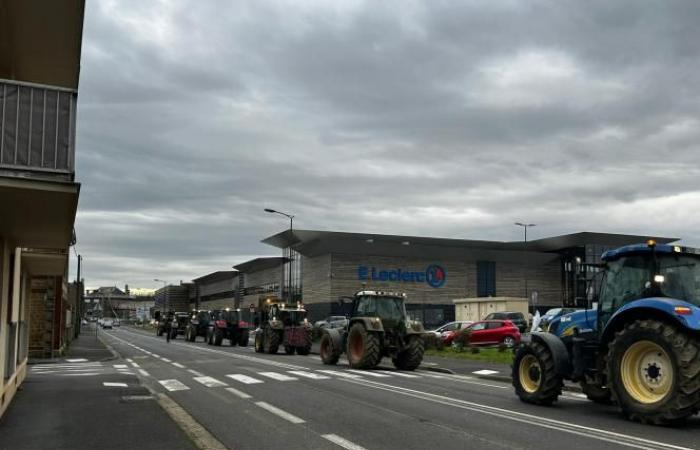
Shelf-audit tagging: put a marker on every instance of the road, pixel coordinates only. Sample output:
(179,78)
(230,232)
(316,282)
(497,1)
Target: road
(254,401)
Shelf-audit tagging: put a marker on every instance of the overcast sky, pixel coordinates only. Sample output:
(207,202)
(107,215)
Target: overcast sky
(433,118)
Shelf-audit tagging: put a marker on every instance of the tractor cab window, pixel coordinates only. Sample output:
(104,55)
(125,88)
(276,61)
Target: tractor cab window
(387,308)
(626,280)
(681,277)
(293,317)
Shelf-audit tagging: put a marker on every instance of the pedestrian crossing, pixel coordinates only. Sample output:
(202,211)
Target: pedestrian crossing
(80,369)
(288,376)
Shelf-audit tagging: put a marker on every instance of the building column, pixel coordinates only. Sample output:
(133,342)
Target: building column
(4,309)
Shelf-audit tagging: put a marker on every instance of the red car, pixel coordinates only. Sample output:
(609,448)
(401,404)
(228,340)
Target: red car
(490,332)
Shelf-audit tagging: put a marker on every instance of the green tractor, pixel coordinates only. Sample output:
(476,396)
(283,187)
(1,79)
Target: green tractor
(281,324)
(639,348)
(378,327)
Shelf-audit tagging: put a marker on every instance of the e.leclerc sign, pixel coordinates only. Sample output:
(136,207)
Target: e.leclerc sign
(434,275)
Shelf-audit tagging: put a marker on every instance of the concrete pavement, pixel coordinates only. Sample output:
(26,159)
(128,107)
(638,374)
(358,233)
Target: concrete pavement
(249,400)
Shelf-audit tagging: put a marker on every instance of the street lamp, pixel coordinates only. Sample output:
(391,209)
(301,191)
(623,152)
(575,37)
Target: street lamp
(165,293)
(526,226)
(291,231)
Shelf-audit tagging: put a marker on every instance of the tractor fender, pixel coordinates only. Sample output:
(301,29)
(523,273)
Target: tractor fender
(652,308)
(370,323)
(562,361)
(335,338)
(415,327)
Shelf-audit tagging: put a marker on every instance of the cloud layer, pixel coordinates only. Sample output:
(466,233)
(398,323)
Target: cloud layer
(448,119)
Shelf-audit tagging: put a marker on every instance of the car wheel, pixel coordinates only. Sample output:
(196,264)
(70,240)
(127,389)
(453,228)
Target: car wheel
(508,341)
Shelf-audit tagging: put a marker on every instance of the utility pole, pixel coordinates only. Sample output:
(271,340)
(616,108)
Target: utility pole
(527,266)
(78,299)
(290,256)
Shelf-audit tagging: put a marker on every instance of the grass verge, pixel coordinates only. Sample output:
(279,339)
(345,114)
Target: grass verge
(485,354)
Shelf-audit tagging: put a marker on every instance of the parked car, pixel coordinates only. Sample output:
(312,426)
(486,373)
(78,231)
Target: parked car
(331,322)
(450,326)
(492,332)
(552,314)
(518,318)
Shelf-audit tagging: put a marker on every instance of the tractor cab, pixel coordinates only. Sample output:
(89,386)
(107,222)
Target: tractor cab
(387,307)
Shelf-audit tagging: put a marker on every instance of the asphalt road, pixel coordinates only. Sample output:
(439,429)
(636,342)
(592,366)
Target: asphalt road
(254,401)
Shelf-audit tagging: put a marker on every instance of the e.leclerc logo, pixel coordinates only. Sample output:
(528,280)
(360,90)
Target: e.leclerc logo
(434,275)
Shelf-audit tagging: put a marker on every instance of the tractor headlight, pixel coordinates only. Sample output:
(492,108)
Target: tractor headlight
(376,322)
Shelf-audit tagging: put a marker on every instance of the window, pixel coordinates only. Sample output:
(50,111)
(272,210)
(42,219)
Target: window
(485,279)
(478,326)
(494,325)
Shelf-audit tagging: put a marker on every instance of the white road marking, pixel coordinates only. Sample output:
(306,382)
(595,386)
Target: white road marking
(82,374)
(144,373)
(155,356)
(277,376)
(402,374)
(485,372)
(428,364)
(179,365)
(340,374)
(108,384)
(431,375)
(279,413)
(173,385)
(166,360)
(129,360)
(76,360)
(195,373)
(209,381)
(342,442)
(135,365)
(245,379)
(238,393)
(370,373)
(313,376)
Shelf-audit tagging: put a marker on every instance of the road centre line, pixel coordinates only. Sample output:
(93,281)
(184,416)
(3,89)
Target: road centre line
(179,365)
(195,373)
(144,373)
(279,413)
(238,393)
(338,373)
(566,427)
(342,442)
(370,373)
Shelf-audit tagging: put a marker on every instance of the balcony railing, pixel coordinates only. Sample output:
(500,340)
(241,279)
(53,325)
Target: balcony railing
(37,130)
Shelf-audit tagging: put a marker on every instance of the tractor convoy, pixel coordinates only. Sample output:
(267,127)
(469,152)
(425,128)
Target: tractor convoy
(638,347)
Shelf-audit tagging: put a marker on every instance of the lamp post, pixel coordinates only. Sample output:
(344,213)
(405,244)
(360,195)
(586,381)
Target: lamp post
(525,227)
(165,293)
(291,231)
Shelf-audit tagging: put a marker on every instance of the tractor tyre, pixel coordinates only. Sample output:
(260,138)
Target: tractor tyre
(209,338)
(534,376)
(244,338)
(288,349)
(329,355)
(218,337)
(654,372)
(596,393)
(258,343)
(233,340)
(364,350)
(412,356)
(272,341)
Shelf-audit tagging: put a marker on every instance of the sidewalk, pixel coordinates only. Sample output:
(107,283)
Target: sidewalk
(64,404)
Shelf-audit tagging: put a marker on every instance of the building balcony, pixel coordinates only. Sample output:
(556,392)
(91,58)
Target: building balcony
(37,131)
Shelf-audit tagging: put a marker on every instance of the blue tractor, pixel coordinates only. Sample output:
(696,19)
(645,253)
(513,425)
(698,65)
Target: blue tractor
(638,348)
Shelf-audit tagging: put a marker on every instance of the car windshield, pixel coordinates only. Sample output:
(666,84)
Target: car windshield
(552,312)
(681,277)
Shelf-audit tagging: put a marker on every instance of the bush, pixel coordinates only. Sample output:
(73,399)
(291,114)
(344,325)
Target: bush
(461,340)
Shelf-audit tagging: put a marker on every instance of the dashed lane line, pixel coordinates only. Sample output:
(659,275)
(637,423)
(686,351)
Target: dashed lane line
(110,384)
(370,373)
(340,374)
(195,373)
(280,413)
(342,442)
(238,393)
(176,364)
(245,379)
(144,373)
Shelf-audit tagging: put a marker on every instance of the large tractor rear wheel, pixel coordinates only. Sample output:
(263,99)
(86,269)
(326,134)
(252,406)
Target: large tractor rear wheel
(329,354)
(258,343)
(654,370)
(272,340)
(412,356)
(364,350)
(534,376)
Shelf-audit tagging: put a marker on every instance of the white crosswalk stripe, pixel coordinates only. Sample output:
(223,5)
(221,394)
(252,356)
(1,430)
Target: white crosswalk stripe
(245,379)
(277,376)
(210,382)
(173,385)
(313,376)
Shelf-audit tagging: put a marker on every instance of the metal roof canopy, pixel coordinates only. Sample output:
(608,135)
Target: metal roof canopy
(216,276)
(258,264)
(313,243)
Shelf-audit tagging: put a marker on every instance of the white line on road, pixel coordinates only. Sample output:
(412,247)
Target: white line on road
(340,374)
(313,376)
(238,393)
(129,360)
(209,381)
(370,373)
(277,376)
(278,412)
(135,365)
(401,374)
(179,365)
(245,379)
(76,360)
(485,372)
(431,375)
(342,442)
(166,360)
(144,373)
(173,385)
(195,373)
(108,384)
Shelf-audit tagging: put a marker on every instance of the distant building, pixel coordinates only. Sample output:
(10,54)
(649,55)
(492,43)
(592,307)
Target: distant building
(216,290)
(111,301)
(173,297)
